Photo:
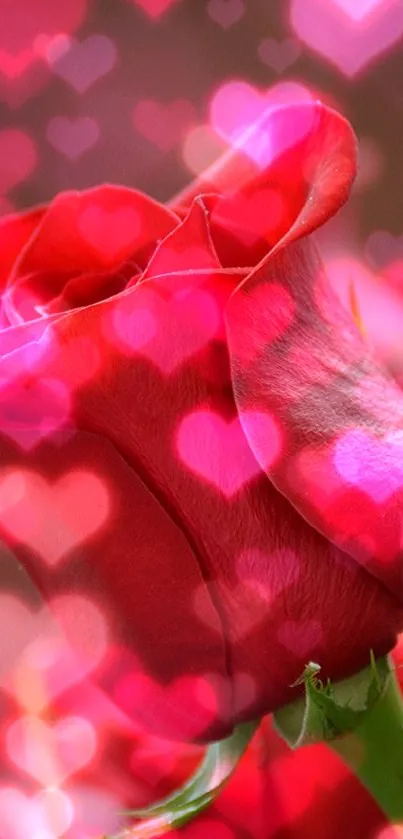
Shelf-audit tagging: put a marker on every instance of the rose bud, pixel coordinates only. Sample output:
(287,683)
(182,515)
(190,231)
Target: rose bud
(197,438)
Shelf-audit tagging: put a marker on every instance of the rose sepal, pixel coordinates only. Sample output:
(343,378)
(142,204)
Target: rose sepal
(361,720)
(214,772)
(332,709)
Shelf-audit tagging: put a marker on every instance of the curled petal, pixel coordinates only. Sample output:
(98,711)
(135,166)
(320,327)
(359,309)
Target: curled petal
(298,354)
(290,171)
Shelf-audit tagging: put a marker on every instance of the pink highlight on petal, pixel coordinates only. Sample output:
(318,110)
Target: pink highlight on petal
(314,475)
(20,303)
(76,505)
(262,577)
(264,433)
(216,450)
(32,409)
(265,143)
(374,466)
(301,638)
(348,494)
(28,348)
(132,327)
(109,232)
(167,330)
(236,105)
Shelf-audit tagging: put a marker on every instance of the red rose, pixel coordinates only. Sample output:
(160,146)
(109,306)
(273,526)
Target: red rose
(190,426)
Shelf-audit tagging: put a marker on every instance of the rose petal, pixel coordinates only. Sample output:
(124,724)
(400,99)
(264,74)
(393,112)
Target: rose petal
(188,247)
(295,162)
(181,434)
(15,231)
(94,230)
(129,564)
(342,462)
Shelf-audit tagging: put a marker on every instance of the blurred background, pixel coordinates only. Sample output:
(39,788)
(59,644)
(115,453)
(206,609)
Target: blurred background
(147,93)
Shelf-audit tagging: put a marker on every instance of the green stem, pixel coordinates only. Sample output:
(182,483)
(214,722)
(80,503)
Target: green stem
(374,751)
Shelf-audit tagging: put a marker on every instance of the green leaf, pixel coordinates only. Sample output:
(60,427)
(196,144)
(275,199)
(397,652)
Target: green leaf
(328,711)
(215,770)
